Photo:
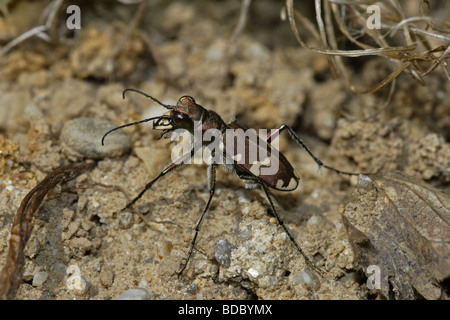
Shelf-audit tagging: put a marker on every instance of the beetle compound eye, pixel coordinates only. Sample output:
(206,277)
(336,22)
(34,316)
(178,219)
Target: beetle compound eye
(186,100)
(182,120)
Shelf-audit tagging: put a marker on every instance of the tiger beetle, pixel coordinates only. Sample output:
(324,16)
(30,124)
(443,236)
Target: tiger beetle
(190,116)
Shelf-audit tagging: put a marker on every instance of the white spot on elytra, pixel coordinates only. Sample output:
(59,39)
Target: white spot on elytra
(255,168)
(291,186)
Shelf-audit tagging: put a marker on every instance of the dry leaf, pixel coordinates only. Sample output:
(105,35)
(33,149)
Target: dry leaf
(401,226)
(11,274)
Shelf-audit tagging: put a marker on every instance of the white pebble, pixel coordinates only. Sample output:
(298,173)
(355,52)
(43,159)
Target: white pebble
(253,272)
(143,284)
(76,282)
(310,279)
(314,220)
(135,294)
(364,181)
(39,279)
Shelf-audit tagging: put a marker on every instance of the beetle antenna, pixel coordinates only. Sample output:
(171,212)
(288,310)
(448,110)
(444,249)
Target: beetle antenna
(128,125)
(148,96)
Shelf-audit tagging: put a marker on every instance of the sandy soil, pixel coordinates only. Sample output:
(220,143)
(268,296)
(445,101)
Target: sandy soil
(264,79)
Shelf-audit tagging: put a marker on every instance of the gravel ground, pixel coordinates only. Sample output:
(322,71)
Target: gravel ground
(58,99)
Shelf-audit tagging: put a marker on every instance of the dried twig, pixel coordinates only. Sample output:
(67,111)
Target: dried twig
(405,57)
(50,12)
(22,226)
(242,19)
(126,36)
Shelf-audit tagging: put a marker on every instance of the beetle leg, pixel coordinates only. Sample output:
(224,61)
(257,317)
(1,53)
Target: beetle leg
(212,187)
(281,223)
(304,146)
(174,165)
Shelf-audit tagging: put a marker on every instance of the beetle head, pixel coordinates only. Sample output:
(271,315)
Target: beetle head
(180,116)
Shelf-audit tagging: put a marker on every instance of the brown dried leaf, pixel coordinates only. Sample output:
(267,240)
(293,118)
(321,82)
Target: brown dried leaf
(22,226)
(402,226)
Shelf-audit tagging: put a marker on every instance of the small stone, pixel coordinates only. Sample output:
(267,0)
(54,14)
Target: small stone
(125,220)
(245,233)
(39,279)
(32,248)
(364,181)
(193,288)
(87,225)
(253,272)
(223,253)
(106,277)
(75,282)
(71,230)
(135,294)
(153,158)
(78,284)
(310,279)
(81,138)
(67,218)
(143,284)
(82,244)
(314,220)
(147,260)
(30,269)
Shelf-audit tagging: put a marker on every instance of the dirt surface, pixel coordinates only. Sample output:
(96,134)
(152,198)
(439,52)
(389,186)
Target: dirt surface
(264,79)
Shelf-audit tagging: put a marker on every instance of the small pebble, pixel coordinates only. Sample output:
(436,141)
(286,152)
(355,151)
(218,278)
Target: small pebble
(143,284)
(78,284)
(106,277)
(193,288)
(223,253)
(314,220)
(245,233)
(81,138)
(310,279)
(253,272)
(39,279)
(125,220)
(75,281)
(135,294)
(364,181)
